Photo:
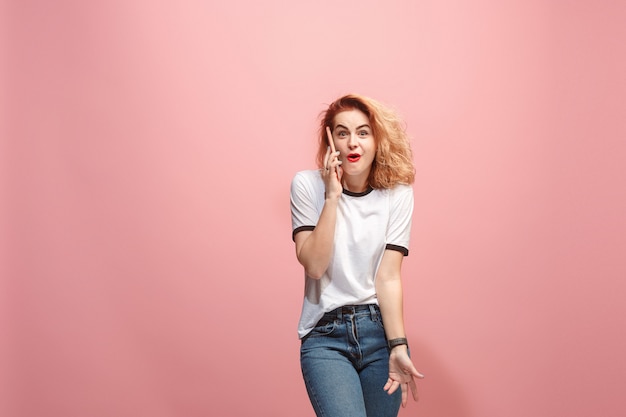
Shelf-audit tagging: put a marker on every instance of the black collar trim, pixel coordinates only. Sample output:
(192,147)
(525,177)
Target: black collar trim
(361,194)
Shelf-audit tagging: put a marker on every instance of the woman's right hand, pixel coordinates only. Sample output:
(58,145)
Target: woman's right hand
(314,247)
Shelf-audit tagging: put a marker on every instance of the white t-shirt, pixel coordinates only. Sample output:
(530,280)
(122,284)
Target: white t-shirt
(367,224)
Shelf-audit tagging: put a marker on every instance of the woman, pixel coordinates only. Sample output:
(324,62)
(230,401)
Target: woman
(351,222)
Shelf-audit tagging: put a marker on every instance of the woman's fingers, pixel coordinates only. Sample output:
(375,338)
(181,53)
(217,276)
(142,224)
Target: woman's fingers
(404,394)
(391,386)
(331,160)
(413,387)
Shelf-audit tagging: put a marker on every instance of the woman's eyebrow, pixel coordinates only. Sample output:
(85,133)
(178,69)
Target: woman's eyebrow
(358,127)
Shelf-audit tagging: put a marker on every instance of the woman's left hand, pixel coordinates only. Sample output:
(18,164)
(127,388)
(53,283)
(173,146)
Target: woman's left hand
(402,373)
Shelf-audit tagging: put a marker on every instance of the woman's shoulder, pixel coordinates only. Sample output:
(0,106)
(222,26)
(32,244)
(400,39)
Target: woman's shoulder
(398,189)
(308,173)
(403,188)
(309,178)
(399,193)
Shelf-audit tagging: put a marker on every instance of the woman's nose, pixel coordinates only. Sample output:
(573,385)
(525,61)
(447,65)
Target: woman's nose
(352,141)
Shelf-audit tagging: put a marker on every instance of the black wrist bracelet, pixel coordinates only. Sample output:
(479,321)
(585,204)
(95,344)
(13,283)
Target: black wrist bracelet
(397,342)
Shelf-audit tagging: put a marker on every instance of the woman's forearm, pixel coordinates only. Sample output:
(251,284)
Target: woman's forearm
(389,294)
(314,249)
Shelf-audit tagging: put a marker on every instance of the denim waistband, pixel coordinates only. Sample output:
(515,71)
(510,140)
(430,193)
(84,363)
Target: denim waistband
(338,313)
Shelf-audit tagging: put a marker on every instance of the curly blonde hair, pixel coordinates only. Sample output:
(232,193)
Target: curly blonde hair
(393,163)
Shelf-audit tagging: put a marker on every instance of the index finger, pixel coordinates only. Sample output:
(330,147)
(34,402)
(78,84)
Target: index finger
(329,135)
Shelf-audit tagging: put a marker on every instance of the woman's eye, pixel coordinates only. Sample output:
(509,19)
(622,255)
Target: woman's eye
(363,133)
(342,134)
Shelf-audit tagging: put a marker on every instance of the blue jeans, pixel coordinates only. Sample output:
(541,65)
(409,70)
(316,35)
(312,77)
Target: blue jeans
(345,364)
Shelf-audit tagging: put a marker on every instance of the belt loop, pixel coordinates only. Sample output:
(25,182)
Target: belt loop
(339,313)
(373,312)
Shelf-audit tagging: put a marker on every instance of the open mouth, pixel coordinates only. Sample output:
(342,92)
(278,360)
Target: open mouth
(353,157)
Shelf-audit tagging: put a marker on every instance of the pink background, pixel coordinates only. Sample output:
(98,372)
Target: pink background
(147,151)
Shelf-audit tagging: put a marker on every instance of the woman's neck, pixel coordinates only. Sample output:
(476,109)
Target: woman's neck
(355,185)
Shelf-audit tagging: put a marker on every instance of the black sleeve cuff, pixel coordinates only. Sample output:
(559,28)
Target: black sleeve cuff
(398,248)
(300,229)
